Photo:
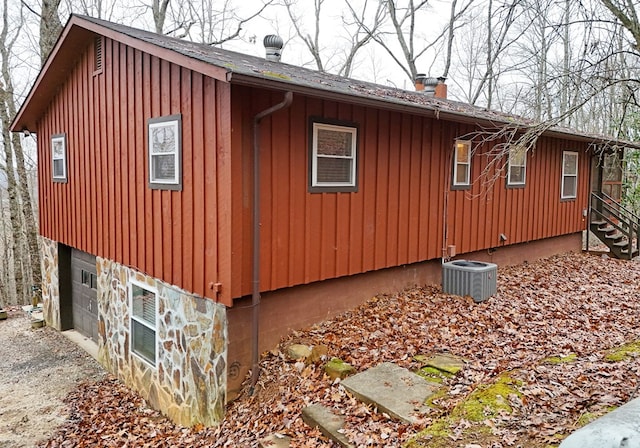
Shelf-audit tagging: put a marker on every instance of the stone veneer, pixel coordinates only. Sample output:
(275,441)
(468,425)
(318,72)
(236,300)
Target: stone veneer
(189,381)
(50,283)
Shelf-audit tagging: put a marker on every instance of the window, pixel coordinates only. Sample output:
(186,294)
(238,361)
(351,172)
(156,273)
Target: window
(462,163)
(333,161)
(143,303)
(517,166)
(165,158)
(59,157)
(89,279)
(569,175)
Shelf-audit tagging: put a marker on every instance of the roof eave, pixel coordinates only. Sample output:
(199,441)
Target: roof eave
(75,37)
(380,102)
(400,106)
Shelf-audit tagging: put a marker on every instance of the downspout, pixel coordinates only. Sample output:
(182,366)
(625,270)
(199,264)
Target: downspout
(255,296)
(445,221)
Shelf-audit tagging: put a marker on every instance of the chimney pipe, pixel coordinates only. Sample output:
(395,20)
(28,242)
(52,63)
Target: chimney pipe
(273,45)
(441,88)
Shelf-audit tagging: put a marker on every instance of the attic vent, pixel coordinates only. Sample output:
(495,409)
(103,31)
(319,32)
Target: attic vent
(97,63)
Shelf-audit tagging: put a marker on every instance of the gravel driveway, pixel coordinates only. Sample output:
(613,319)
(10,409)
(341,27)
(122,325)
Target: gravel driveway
(38,368)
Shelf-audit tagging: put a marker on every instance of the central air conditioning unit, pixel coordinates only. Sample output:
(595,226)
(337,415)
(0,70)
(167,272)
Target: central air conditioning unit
(469,278)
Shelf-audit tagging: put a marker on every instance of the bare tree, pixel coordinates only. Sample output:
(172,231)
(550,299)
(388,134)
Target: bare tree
(159,10)
(359,23)
(499,24)
(50,27)
(101,9)
(12,184)
(212,22)
(403,32)
(626,12)
(26,201)
(6,294)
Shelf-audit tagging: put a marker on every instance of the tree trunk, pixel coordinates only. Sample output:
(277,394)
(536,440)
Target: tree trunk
(30,226)
(14,205)
(50,27)
(5,295)
(159,9)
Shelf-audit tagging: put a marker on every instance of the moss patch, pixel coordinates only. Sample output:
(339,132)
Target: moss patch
(445,362)
(275,75)
(436,435)
(433,375)
(487,401)
(626,351)
(588,417)
(440,393)
(337,368)
(571,357)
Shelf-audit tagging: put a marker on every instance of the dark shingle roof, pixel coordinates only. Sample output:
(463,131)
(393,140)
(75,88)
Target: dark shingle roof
(292,75)
(252,70)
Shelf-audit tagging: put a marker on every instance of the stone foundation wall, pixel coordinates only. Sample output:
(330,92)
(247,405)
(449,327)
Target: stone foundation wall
(189,380)
(50,283)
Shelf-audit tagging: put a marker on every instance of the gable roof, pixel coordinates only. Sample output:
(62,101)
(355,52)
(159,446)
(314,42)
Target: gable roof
(255,71)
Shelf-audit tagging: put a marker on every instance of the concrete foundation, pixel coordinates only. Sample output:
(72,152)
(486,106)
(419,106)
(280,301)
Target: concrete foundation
(301,306)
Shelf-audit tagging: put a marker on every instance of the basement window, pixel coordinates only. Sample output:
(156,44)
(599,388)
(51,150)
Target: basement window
(516,176)
(569,175)
(165,152)
(59,157)
(462,163)
(333,156)
(144,303)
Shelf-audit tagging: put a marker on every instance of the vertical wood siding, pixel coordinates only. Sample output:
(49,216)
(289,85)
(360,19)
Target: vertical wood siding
(397,216)
(202,235)
(106,207)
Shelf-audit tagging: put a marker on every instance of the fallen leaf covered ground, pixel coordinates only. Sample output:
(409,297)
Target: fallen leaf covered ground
(555,327)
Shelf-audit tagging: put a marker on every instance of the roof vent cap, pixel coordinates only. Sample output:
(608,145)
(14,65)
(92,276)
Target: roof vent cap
(430,86)
(273,45)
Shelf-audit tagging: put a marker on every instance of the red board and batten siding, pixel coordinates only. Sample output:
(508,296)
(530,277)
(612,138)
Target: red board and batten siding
(106,207)
(396,217)
(202,235)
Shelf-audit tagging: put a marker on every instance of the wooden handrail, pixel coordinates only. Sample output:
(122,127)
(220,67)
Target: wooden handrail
(628,223)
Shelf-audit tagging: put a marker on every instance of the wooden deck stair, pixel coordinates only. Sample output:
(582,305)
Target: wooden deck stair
(617,227)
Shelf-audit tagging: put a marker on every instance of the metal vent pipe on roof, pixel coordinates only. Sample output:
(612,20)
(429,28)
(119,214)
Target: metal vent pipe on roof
(430,86)
(425,84)
(273,45)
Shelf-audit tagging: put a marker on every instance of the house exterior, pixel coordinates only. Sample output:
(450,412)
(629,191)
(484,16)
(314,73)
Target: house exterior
(146,196)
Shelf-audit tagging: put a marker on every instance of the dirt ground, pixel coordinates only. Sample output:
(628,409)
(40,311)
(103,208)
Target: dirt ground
(38,368)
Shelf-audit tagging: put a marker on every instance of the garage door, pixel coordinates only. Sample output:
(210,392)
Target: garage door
(84,284)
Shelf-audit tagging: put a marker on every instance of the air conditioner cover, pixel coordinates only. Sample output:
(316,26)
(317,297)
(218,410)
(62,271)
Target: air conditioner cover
(469,278)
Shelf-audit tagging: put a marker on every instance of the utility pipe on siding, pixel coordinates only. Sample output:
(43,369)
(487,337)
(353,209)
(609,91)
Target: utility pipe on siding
(445,212)
(255,296)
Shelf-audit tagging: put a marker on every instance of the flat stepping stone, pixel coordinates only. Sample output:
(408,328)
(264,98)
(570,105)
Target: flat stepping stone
(275,441)
(618,428)
(394,390)
(321,417)
(444,362)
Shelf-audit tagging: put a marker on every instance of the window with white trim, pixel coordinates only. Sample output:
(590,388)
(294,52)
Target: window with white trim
(165,152)
(59,157)
(517,173)
(144,303)
(569,175)
(462,163)
(333,161)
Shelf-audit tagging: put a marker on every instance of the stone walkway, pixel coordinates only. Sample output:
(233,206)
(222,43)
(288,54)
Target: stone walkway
(391,389)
